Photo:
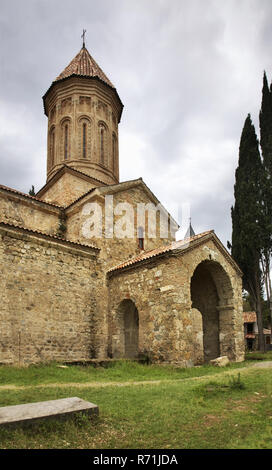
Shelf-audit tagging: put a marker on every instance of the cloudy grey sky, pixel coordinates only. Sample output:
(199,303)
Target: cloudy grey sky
(188,72)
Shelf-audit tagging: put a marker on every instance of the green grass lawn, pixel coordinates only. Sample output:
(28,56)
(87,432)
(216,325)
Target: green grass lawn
(258,356)
(114,372)
(212,408)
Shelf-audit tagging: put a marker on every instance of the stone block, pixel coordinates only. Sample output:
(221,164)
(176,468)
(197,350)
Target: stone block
(221,361)
(32,412)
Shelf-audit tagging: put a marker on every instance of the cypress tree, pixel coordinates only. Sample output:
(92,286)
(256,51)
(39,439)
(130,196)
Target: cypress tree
(31,192)
(265,122)
(247,218)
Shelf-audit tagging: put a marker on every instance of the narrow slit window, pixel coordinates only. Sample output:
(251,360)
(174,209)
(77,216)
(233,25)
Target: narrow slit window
(52,149)
(102,144)
(66,142)
(141,238)
(84,135)
(113,152)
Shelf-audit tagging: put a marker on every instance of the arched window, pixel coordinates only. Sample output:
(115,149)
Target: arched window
(65,131)
(114,152)
(52,147)
(103,144)
(65,141)
(84,137)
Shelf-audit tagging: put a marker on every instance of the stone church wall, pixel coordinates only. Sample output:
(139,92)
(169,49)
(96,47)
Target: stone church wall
(165,329)
(115,249)
(48,299)
(28,213)
(169,325)
(66,190)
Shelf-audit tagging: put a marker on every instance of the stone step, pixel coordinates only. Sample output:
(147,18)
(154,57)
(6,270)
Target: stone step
(32,412)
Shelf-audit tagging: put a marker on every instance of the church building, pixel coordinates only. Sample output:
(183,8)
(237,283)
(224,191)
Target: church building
(90,266)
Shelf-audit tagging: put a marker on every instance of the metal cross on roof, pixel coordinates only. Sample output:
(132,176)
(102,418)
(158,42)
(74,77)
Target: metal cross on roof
(83,37)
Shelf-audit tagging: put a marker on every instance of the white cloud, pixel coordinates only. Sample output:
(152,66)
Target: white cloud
(188,73)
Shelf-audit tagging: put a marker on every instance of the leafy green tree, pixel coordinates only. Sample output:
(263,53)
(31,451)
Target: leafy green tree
(248,306)
(247,218)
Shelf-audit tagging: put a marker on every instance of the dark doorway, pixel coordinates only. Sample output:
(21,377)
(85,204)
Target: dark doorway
(205,298)
(128,320)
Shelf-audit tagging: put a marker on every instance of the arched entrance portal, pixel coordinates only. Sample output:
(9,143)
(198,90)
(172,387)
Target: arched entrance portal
(127,344)
(212,296)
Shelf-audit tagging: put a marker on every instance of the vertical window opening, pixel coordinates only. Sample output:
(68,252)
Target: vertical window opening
(52,148)
(113,152)
(141,238)
(84,131)
(66,142)
(102,144)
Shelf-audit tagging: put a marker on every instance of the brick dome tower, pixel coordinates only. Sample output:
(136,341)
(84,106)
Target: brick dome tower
(83,110)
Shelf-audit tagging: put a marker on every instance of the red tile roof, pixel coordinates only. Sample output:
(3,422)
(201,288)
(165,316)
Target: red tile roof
(47,235)
(83,64)
(161,250)
(34,198)
(250,317)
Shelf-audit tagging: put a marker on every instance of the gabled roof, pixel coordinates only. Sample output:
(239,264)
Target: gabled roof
(159,251)
(27,196)
(176,247)
(67,169)
(123,186)
(47,236)
(83,64)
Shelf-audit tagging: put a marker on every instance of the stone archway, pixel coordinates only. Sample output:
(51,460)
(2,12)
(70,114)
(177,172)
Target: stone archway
(212,296)
(126,339)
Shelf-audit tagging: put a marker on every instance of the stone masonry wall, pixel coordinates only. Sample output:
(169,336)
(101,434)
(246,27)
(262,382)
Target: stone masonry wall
(73,102)
(66,190)
(114,250)
(28,213)
(160,290)
(48,300)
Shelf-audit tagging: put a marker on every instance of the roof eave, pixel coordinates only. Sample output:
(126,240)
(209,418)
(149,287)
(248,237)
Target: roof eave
(61,80)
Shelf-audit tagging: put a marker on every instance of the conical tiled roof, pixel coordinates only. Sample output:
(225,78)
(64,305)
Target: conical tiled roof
(190,232)
(84,65)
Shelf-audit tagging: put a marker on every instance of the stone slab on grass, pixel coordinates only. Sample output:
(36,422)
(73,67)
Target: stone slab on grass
(221,361)
(32,412)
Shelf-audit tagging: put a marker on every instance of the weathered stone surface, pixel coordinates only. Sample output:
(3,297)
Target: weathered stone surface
(70,104)
(32,412)
(68,187)
(175,324)
(220,361)
(48,299)
(59,300)
(114,249)
(29,213)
